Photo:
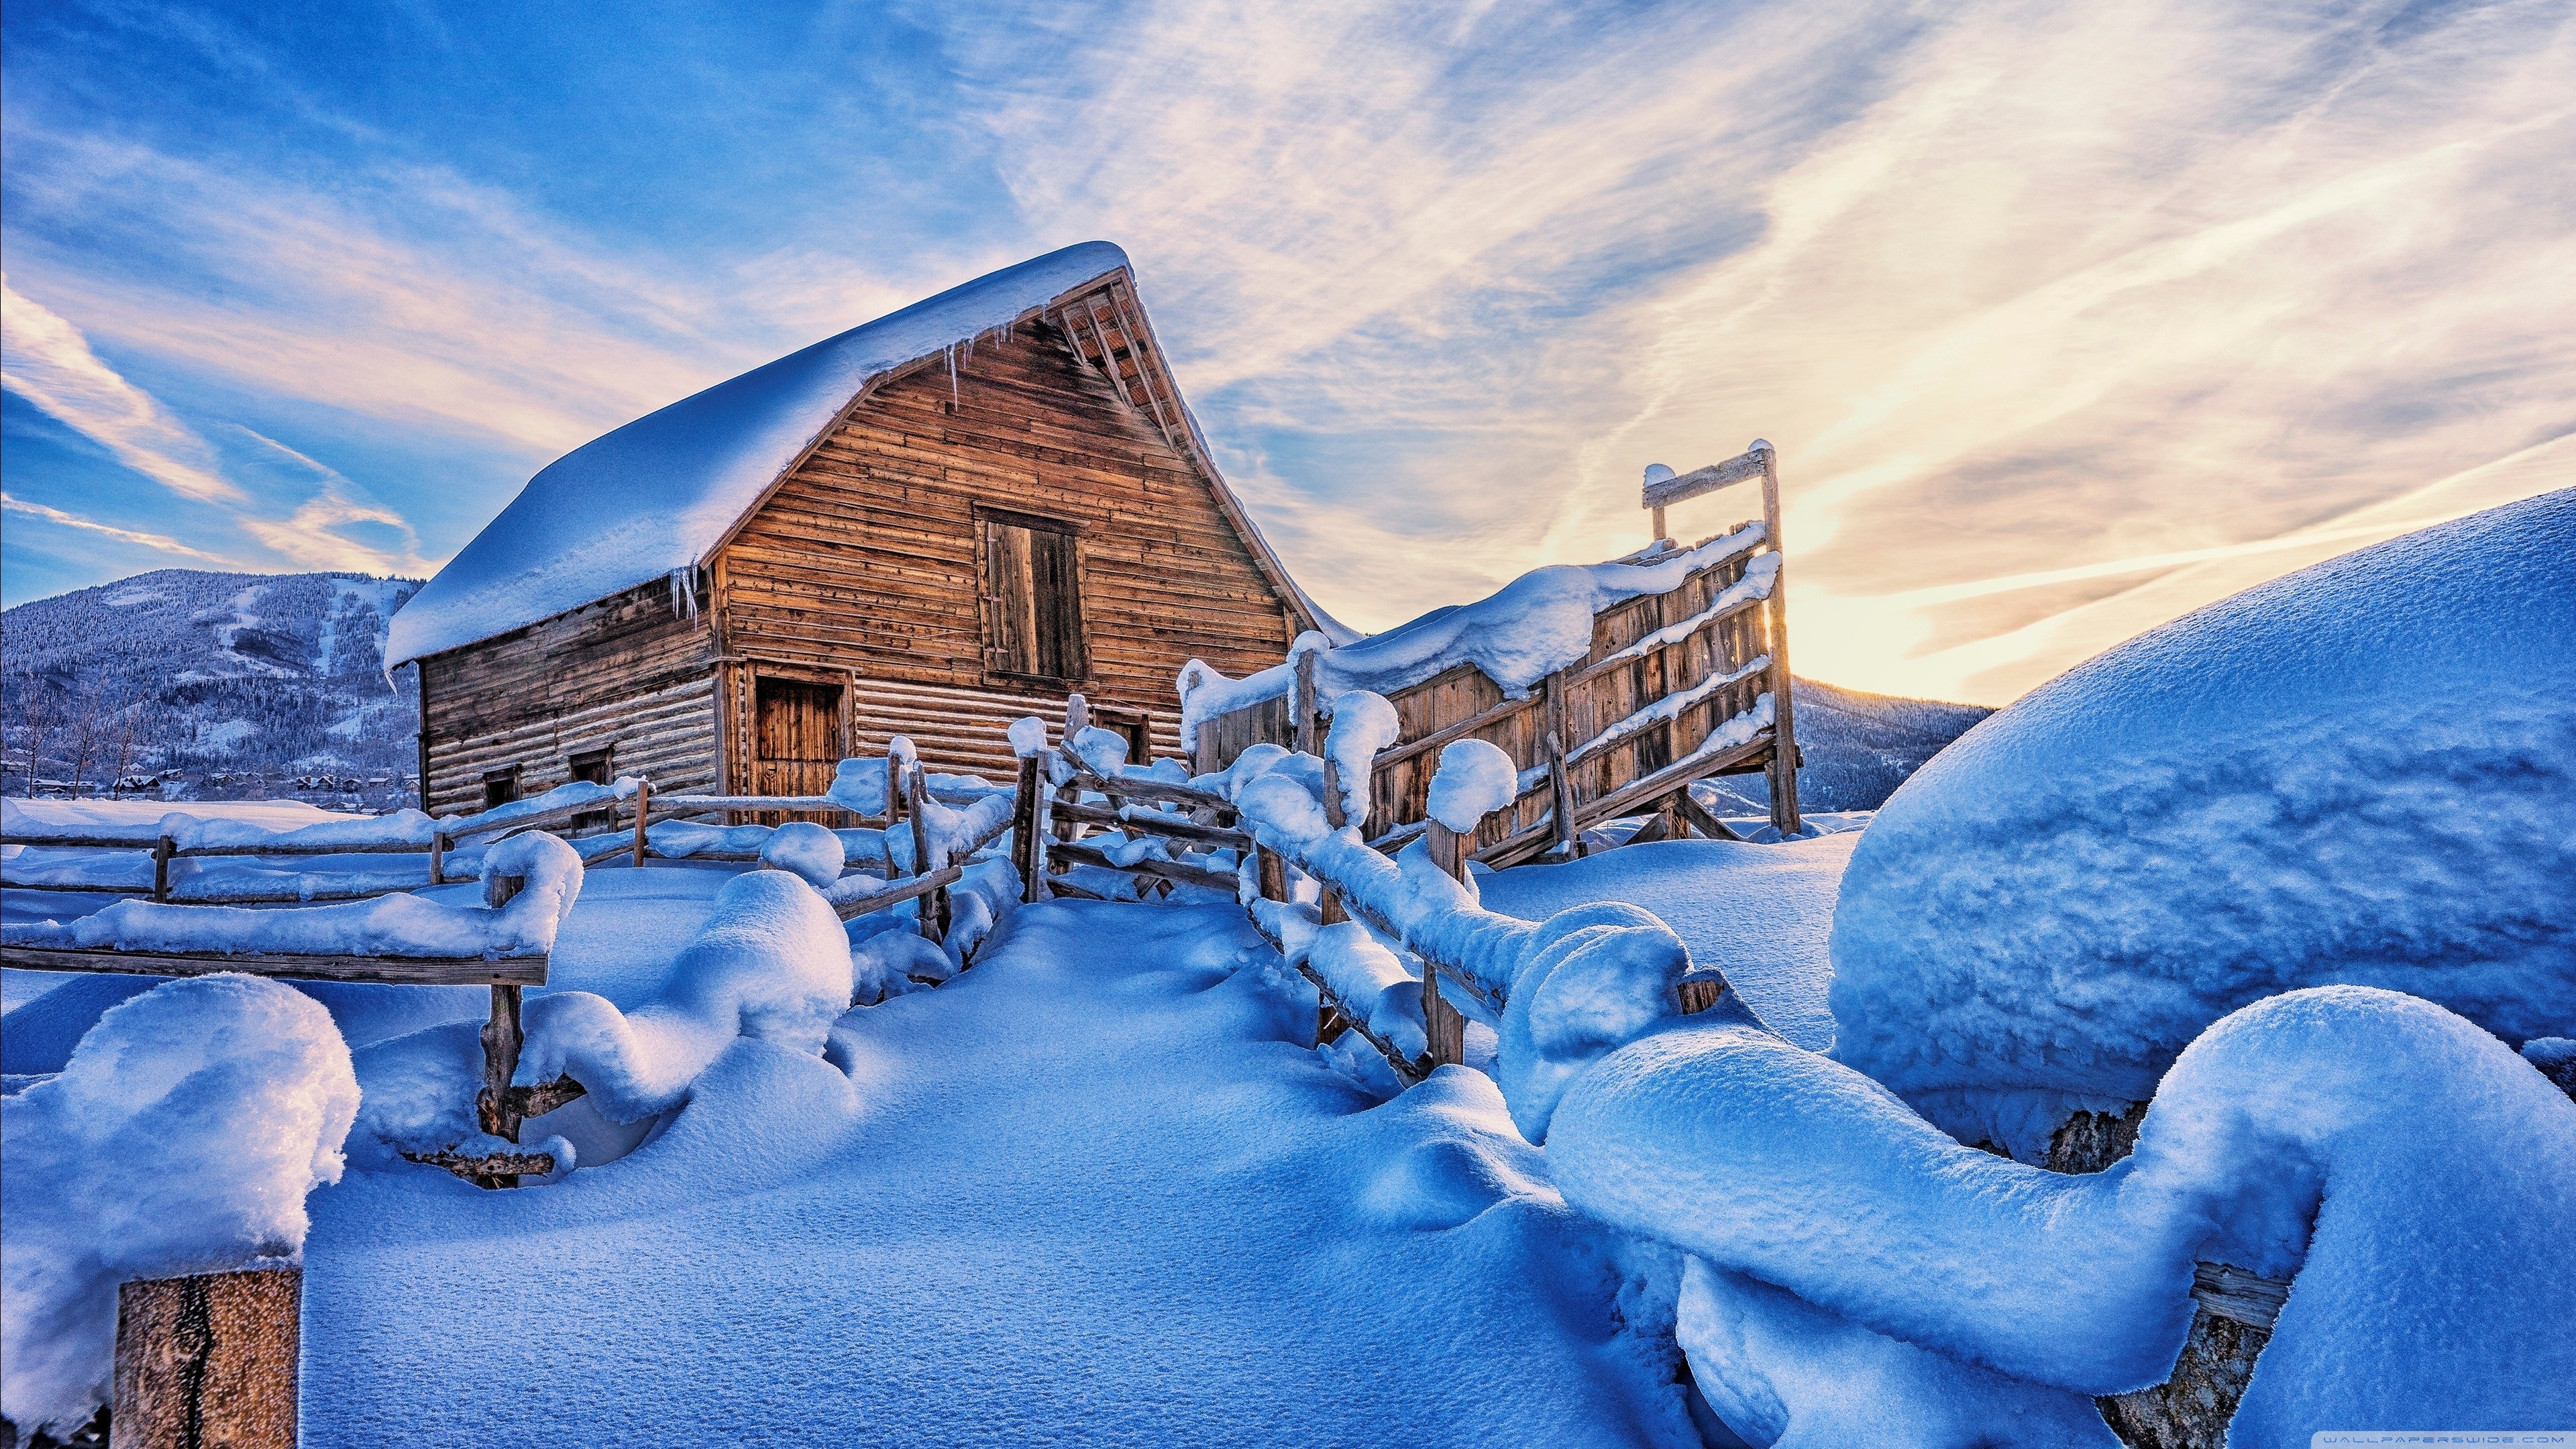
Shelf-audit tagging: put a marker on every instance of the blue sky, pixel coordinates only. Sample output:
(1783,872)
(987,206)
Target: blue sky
(2065,319)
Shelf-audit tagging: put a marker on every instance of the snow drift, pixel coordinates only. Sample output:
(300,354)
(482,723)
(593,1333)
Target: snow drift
(2427,1155)
(181,1138)
(2362,772)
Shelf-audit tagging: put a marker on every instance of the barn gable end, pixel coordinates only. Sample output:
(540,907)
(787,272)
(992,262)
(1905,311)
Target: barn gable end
(872,556)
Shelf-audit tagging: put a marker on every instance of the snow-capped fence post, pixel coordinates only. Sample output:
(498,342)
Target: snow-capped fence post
(1443,1027)
(438,857)
(1271,874)
(495,1107)
(161,851)
(1028,828)
(208,1359)
(1301,703)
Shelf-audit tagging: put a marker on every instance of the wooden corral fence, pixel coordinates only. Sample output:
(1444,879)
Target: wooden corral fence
(1624,731)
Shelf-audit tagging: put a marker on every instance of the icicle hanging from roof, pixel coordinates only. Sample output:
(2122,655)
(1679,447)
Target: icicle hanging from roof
(684,593)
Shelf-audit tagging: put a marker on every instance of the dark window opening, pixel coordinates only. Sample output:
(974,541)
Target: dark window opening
(596,767)
(500,787)
(1033,599)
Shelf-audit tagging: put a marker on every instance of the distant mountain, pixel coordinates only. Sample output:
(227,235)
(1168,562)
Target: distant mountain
(1858,747)
(206,685)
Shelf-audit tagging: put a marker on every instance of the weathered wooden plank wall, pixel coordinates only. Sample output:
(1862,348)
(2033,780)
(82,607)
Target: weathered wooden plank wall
(869,558)
(627,674)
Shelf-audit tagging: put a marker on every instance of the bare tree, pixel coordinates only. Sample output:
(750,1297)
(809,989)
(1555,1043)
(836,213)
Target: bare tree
(36,722)
(129,718)
(85,717)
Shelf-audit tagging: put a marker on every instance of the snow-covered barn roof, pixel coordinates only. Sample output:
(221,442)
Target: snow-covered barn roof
(664,491)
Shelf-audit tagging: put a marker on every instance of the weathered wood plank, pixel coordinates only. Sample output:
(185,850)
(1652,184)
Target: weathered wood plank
(390,970)
(210,1359)
(1683,487)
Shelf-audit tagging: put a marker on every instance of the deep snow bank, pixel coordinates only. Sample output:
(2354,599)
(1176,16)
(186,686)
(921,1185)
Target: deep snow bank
(2362,772)
(181,1138)
(2428,1156)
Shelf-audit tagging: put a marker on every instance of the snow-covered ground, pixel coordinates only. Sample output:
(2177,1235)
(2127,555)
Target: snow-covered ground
(1092,1192)
(1760,913)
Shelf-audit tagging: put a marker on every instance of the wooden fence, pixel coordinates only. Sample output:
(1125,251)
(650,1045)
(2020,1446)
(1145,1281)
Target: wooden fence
(1666,695)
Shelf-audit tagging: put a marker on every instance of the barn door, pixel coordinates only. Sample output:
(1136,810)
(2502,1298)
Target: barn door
(797,740)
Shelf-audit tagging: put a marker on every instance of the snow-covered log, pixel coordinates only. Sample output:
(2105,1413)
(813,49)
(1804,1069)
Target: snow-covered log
(182,1137)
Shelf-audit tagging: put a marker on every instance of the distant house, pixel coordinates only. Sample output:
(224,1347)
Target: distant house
(930,525)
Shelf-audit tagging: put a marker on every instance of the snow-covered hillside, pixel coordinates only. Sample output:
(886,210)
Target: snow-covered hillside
(224,685)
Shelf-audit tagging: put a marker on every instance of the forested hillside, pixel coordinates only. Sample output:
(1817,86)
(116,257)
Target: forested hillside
(189,685)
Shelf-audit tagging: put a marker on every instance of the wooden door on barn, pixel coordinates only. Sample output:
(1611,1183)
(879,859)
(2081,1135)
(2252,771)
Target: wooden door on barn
(796,742)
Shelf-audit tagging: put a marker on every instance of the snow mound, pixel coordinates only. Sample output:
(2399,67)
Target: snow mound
(1784,1373)
(2423,1151)
(1363,725)
(649,499)
(771,963)
(181,1138)
(2362,772)
(1475,779)
(806,850)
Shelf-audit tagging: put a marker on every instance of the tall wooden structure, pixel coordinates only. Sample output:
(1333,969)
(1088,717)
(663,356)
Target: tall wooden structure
(929,526)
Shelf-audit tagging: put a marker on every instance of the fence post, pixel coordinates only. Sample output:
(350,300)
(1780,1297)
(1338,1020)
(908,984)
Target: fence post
(161,850)
(934,906)
(1442,1026)
(502,1037)
(894,807)
(1784,732)
(643,809)
(1028,851)
(1273,873)
(1329,905)
(438,857)
(1301,701)
(1569,835)
(208,1359)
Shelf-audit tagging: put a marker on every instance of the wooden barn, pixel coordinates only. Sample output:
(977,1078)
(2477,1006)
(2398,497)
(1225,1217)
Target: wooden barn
(953,516)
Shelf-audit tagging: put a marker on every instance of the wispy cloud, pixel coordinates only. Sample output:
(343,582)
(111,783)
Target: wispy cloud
(2018,289)
(2066,318)
(51,364)
(157,541)
(47,361)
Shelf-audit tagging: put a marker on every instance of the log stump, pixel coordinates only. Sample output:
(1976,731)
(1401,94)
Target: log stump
(208,1361)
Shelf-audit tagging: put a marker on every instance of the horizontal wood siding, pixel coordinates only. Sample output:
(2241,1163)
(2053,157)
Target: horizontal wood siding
(623,674)
(869,558)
